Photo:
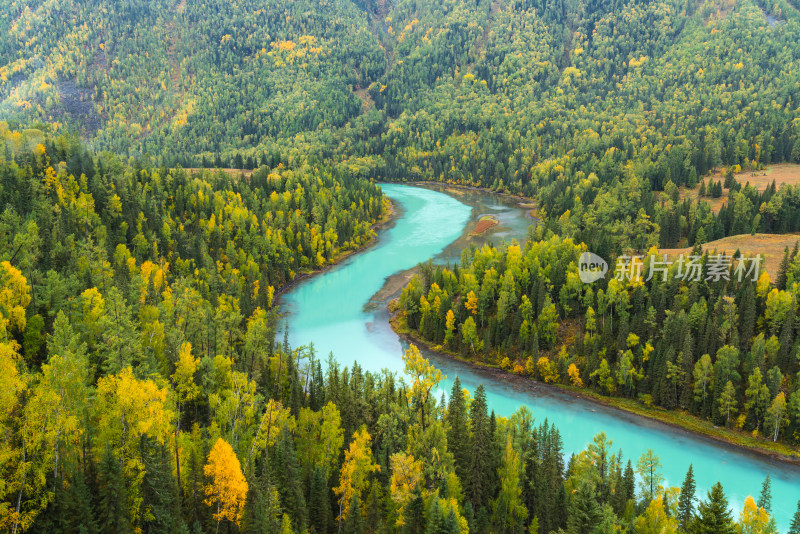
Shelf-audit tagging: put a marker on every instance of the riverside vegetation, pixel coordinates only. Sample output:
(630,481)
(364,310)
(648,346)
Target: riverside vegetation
(143,388)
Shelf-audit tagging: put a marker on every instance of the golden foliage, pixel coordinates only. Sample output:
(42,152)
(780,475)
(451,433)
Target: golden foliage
(227,487)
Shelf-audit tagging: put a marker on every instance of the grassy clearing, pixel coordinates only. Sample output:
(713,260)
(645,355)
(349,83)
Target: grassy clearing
(770,245)
(783,173)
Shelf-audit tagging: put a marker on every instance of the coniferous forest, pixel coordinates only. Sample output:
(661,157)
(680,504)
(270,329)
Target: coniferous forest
(169,167)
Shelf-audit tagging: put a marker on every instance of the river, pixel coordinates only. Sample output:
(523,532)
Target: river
(331,310)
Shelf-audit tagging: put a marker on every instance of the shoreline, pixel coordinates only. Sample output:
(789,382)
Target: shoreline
(386,221)
(528,204)
(702,429)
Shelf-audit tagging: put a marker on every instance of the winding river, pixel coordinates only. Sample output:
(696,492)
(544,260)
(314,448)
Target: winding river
(332,310)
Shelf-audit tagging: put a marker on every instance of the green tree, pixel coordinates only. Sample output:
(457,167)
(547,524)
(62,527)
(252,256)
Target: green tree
(509,513)
(458,430)
(686,500)
(713,514)
(584,510)
(648,468)
(479,476)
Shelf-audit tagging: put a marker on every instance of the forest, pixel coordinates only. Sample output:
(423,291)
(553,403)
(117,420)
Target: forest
(168,168)
(146,388)
(724,347)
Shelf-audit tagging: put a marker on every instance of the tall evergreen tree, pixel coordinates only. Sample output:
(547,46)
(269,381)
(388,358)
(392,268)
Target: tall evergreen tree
(584,510)
(794,528)
(765,498)
(286,476)
(479,477)
(354,522)
(112,497)
(161,512)
(713,514)
(320,516)
(458,430)
(686,500)
(783,268)
(414,516)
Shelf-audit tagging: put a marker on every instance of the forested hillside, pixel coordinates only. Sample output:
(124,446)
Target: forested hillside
(574,103)
(144,386)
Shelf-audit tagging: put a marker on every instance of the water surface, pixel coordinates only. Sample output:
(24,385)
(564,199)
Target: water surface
(329,309)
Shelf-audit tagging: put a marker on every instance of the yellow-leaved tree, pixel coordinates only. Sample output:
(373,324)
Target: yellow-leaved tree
(424,379)
(12,384)
(227,487)
(15,295)
(356,467)
(185,390)
(406,475)
(129,409)
(753,519)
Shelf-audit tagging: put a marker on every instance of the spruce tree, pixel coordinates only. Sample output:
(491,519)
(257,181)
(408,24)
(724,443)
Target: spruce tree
(765,502)
(783,268)
(584,510)
(159,491)
(458,430)
(686,500)
(713,515)
(765,499)
(319,503)
(450,524)
(374,507)
(794,528)
(479,477)
(414,516)
(354,522)
(112,512)
(286,476)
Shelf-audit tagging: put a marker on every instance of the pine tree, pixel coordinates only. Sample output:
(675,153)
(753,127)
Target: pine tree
(765,502)
(794,528)
(159,491)
(686,500)
(783,268)
(286,477)
(713,515)
(458,430)
(354,522)
(414,516)
(479,477)
(765,499)
(450,524)
(584,511)
(374,508)
(320,516)
(112,514)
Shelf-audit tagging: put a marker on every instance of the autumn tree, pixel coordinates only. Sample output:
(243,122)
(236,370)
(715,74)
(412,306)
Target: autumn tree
(226,489)
(356,468)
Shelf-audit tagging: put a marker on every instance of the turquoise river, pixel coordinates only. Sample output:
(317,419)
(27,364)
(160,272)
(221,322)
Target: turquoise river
(331,309)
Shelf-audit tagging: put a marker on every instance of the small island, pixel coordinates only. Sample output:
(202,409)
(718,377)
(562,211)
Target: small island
(483,225)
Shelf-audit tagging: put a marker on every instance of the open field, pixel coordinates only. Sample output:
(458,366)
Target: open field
(783,173)
(770,245)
